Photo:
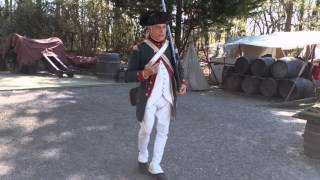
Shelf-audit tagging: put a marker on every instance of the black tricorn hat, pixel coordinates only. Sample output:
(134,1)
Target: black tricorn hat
(154,17)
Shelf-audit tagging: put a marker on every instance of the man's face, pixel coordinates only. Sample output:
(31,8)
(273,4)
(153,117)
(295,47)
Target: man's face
(158,32)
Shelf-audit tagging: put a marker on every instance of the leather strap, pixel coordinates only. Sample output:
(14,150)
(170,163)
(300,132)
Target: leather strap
(159,53)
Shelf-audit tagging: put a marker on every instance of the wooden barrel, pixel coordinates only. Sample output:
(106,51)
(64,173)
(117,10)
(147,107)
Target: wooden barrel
(303,88)
(108,64)
(233,82)
(309,89)
(242,65)
(121,73)
(312,139)
(2,64)
(261,66)
(286,67)
(250,85)
(227,71)
(269,87)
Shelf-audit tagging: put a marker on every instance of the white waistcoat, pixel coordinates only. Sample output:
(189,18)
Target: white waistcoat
(162,86)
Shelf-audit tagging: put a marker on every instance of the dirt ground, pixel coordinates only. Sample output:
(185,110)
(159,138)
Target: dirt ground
(90,133)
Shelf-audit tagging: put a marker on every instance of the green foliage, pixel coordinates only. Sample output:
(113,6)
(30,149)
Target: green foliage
(31,19)
(286,15)
(198,15)
(217,12)
(88,26)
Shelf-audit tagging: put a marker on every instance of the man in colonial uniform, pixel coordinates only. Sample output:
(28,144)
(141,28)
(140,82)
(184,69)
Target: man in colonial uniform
(151,63)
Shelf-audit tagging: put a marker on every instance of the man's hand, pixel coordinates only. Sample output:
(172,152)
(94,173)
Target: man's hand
(182,90)
(148,71)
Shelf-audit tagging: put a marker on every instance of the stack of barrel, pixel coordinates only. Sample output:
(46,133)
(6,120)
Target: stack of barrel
(269,77)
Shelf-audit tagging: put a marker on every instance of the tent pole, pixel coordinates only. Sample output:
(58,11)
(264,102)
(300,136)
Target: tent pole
(313,50)
(300,73)
(240,50)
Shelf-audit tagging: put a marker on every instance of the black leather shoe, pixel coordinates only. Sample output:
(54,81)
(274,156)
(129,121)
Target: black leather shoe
(160,176)
(143,167)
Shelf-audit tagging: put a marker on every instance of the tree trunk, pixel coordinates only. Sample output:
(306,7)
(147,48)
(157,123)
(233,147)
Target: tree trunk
(185,39)
(289,12)
(301,14)
(206,42)
(6,8)
(315,11)
(10,6)
(58,18)
(178,24)
(82,27)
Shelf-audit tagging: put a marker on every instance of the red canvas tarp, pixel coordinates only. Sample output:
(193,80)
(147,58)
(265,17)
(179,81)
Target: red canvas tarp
(81,61)
(29,51)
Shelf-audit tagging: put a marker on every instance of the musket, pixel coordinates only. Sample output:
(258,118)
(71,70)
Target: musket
(174,50)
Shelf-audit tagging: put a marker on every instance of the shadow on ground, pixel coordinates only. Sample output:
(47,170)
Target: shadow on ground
(91,133)
(67,134)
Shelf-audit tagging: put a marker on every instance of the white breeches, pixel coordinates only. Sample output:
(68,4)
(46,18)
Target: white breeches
(161,110)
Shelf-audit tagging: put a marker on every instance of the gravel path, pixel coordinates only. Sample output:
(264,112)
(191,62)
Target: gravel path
(91,133)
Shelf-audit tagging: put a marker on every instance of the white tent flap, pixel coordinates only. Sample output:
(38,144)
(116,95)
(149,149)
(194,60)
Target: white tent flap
(283,40)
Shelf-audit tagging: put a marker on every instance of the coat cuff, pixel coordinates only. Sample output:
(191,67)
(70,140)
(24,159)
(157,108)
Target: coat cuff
(185,82)
(140,76)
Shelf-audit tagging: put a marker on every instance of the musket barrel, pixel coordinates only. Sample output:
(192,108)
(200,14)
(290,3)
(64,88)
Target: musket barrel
(174,51)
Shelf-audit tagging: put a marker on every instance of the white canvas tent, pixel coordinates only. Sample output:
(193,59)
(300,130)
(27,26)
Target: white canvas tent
(192,70)
(275,44)
(256,46)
